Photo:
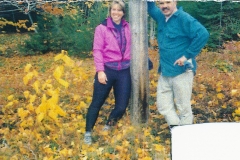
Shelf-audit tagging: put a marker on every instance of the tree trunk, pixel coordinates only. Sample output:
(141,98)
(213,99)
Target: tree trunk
(139,63)
(30,18)
(152,33)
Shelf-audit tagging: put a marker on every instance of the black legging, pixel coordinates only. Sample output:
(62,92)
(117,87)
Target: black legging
(120,81)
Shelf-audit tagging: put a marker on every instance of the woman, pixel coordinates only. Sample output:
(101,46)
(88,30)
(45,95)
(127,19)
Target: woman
(111,51)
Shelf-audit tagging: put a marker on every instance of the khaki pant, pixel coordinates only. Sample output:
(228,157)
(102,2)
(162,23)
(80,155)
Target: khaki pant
(174,98)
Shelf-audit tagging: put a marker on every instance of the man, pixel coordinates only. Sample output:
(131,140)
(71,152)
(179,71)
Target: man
(180,40)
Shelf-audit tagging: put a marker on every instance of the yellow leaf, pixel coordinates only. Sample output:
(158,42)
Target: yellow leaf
(37,135)
(104,133)
(82,105)
(79,117)
(237,111)
(125,143)
(27,78)
(214,113)
(200,96)
(32,98)
(193,102)
(48,127)
(76,97)
(63,82)
(64,152)
(100,150)
(49,151)
(30,121)
(136,140)
(147,158)
(59,111)
(146,132)
(224,106)
(22,113)
(50,92)
(237,103)
(53,115)
(158,139)
(27,67)
(64,52)
(220,96)
(202,87)
(119,124)
(48,81)
(234,92)
(35,73)
(40,117)
(10,97)
(119,148)
(219,89)
(24,124)
(30,107)
(119,137)
(68,61)
(139,150)
(236,119)
(35,86)
(59,56)
(54,99)
(9,104)
(42,108)
(78,64)
(26,94)
(15,101)
(88,99)
(58,72)
(70,152)
(219,83)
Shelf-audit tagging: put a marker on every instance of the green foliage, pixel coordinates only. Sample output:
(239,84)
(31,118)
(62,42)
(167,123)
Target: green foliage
(2,63)
(222,22)
(223,66)
(72,31)
(220,19)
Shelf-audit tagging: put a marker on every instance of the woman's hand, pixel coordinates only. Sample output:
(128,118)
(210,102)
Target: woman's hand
(102,78)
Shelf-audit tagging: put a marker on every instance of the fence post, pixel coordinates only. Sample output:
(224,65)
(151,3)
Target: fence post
(139,63)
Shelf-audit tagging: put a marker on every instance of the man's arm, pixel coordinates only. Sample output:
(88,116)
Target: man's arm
(154,11)
(199,36)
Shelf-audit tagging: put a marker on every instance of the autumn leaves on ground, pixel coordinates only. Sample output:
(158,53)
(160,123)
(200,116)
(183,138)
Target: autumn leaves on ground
(44,100)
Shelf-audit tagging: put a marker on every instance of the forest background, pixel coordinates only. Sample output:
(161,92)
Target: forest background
(46,71)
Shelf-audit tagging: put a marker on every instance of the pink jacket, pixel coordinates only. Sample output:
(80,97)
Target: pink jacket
(105,45)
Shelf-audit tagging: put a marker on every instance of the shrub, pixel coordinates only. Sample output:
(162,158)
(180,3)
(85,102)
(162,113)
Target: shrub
(71,31)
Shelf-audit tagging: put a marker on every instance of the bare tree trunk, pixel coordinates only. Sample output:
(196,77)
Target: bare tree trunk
(152,33)
(139,63)
(30,18)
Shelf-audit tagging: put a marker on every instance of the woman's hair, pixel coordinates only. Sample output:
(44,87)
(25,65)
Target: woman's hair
(120,3)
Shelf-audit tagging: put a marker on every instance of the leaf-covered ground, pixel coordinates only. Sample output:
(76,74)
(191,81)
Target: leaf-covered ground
(44,99)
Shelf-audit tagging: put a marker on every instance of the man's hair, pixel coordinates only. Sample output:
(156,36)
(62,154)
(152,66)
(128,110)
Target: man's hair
(120,3)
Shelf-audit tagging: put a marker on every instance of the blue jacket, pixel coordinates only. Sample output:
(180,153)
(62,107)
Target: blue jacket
(181,35)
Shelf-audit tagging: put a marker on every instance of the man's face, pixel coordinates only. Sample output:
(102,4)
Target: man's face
(167,7)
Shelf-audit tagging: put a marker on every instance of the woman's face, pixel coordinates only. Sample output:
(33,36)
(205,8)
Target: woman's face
(116,13)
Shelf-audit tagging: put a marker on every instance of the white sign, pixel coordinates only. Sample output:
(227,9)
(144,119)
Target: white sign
(208,141)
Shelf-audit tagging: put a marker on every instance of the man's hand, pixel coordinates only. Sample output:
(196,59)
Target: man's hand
(102,78)
(180,61)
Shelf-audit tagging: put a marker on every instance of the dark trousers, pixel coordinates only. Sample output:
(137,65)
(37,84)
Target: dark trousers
(120,81)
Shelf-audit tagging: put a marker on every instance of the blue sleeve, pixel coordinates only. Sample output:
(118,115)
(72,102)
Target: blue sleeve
(154,11)
(199,37)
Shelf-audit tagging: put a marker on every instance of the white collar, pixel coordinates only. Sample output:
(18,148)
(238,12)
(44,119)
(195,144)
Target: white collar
(167,18)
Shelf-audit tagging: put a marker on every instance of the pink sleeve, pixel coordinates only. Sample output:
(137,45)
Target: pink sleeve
(98,45)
